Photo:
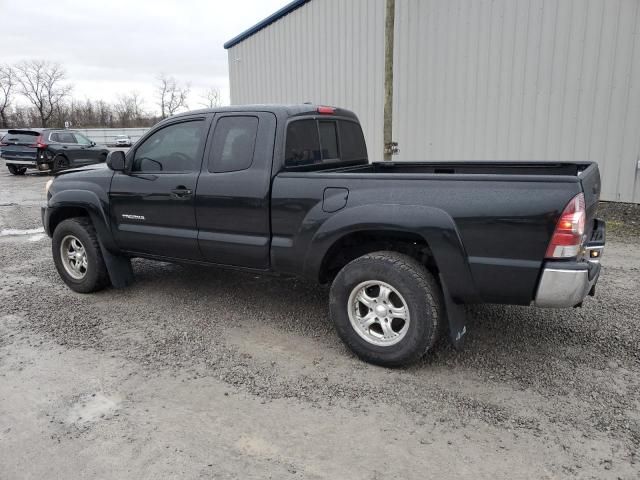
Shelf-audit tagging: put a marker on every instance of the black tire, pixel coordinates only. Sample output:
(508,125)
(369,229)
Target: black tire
(15,170)
(96,276)
(418,289)
(60,162)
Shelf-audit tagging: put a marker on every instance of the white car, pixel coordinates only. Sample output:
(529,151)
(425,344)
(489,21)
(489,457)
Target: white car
(123,141)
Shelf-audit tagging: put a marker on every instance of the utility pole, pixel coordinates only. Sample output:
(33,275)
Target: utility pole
(390,147)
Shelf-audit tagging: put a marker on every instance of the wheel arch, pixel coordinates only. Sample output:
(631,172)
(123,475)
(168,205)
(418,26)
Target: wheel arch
(80,203)
(362,242)
(428,234)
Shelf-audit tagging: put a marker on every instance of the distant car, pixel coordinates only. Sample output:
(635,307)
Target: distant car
(123,141)
(48,150)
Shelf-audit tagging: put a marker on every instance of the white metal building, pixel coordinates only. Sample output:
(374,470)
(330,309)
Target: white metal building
(473,79)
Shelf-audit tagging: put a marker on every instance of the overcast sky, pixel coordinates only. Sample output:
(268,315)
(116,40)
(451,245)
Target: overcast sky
(113,47)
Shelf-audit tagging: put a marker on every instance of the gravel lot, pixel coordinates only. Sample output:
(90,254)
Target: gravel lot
(204,373)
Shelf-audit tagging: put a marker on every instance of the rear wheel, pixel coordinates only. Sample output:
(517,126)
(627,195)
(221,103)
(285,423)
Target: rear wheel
(387,308)
(77,256)
(60,162)
(16,170)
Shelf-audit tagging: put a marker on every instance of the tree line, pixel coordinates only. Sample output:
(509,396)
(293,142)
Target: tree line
(47,100)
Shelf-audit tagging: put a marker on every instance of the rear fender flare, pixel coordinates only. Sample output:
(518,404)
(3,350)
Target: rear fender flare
(434,225)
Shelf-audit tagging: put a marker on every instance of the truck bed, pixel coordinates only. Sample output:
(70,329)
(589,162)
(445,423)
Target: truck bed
(472,168)
(504,212)
(585,173)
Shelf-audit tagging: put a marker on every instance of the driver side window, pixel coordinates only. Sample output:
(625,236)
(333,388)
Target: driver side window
(173,149)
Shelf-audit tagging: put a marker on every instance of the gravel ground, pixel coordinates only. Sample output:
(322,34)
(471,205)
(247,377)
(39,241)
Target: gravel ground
(204,373)
(623,219)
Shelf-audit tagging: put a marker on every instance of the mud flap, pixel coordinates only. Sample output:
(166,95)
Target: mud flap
(118,267)
(457,316)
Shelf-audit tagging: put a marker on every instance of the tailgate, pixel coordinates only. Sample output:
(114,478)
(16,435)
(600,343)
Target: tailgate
(20,145)
(19,152)
(591,185)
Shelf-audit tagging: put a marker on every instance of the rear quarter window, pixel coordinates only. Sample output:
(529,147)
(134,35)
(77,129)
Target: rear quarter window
(234,142)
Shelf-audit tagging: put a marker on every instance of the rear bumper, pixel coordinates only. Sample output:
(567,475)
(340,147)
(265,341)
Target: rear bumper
(566,287)
(41,165)
(22,163)
(566,284)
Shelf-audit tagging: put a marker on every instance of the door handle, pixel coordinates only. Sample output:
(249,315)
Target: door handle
(181,192)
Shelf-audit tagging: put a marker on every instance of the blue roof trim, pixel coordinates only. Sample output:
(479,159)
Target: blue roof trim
(287,9)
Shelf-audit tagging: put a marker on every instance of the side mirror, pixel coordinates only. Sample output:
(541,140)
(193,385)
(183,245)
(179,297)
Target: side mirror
(93,144)
(115,161)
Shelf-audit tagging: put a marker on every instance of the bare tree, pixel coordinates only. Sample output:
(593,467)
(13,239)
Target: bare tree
(41,82)
(129,109)
(104,115)
(171,95)
(211,98)
(137,105)
(7,83)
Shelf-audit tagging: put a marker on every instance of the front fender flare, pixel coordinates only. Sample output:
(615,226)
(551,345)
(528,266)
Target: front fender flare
(93,205)
(433,224)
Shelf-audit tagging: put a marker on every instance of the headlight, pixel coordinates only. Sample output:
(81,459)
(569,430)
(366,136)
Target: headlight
(48,186)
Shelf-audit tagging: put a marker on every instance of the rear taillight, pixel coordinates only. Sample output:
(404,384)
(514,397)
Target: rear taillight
(567,237)
(39,143)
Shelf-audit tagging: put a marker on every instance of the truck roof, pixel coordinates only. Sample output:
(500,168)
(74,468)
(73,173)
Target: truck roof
(281,111)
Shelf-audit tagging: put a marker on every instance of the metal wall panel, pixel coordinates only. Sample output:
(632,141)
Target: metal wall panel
(521,80)
(473,79)
(327,52)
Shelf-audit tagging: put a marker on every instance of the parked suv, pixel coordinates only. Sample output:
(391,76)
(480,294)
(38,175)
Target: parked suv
(48,150)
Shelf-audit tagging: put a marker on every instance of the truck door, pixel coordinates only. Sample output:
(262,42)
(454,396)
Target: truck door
(232,199)
(152,204)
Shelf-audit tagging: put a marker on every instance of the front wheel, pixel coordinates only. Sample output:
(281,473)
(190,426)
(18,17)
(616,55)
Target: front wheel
(387,308)
(77,256)
(15,170)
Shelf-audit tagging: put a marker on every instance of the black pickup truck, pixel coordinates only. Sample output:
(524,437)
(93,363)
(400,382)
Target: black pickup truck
(289,190)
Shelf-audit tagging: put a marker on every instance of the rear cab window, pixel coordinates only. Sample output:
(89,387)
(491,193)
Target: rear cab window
(323,141)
